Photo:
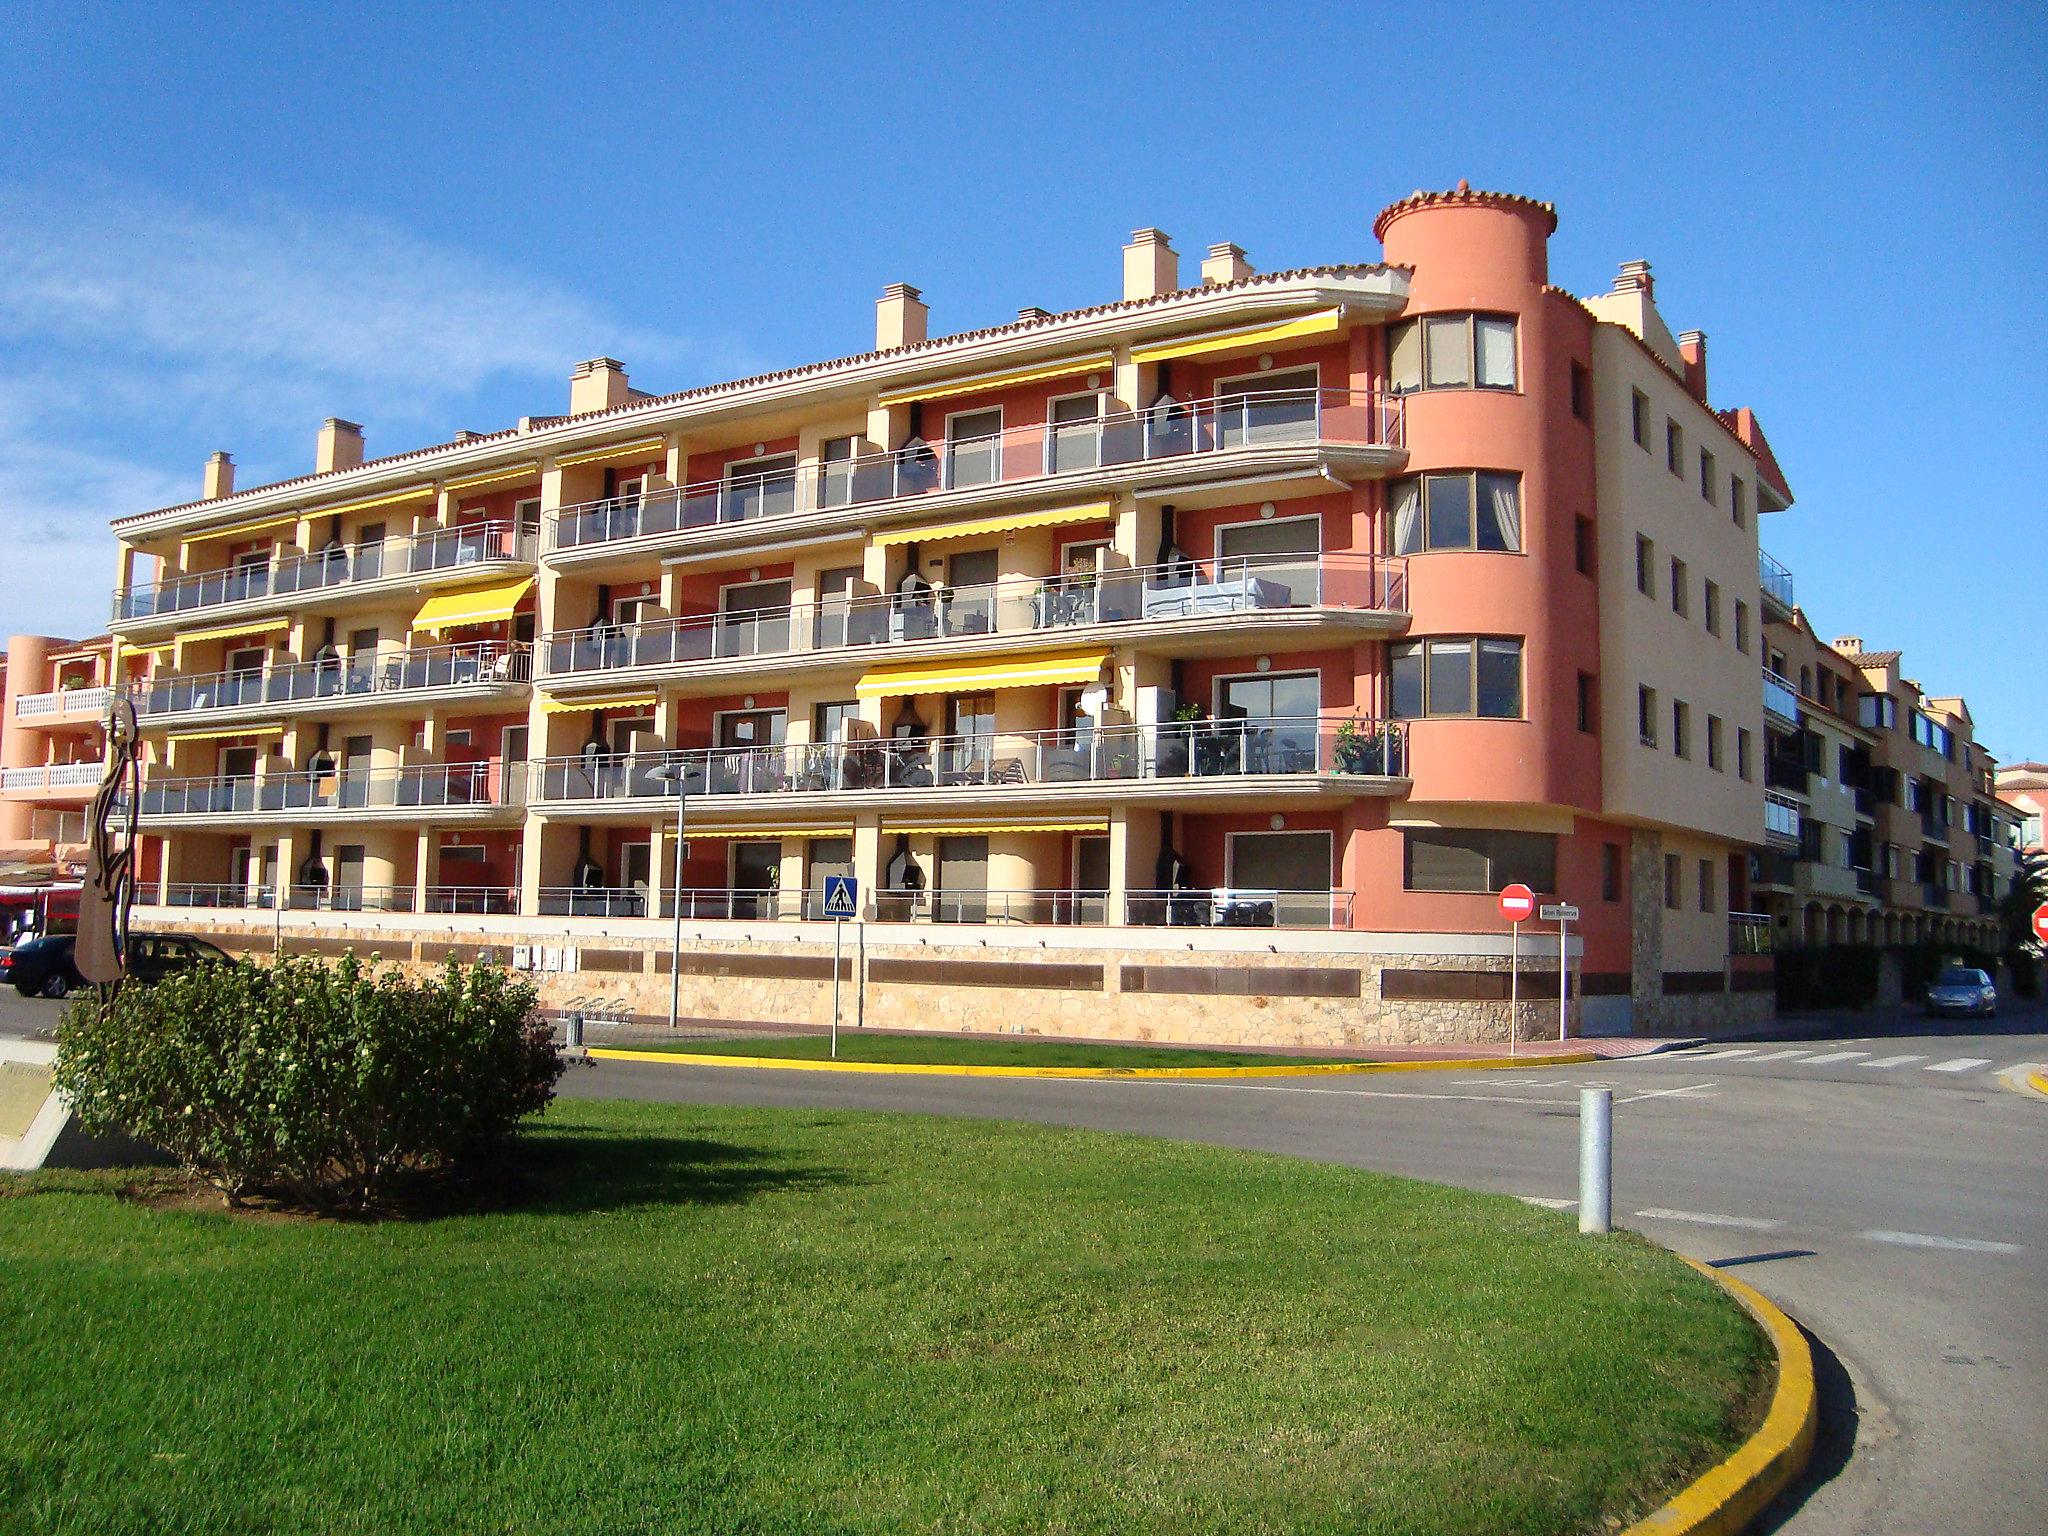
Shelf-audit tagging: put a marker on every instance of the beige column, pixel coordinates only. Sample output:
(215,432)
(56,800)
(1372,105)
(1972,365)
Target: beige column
(426,866)
(530,849)
(1133,857)
(868,853)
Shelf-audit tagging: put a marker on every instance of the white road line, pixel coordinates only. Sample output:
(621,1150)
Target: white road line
(1884,1062)
(1548,1202)
(1960,1064)
(1666,1093)
(1780,1056)
(1922,1240)
(1712,1219)
(1747,1050)
(1834,1056)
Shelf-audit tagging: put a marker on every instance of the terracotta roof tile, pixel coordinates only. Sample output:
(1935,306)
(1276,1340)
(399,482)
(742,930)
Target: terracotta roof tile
(1461,196)
(1875,658)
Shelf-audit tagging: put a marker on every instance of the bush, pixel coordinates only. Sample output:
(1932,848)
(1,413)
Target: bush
(317,1082)
(1827,976)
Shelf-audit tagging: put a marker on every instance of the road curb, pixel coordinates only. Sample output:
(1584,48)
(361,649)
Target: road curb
(1143,1074)
(2038,1081)
(1727,1498)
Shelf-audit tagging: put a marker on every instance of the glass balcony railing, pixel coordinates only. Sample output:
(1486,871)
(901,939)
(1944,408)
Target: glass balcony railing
(1191,589)
(1169,430)
(1775,579)
(472,899)
(483,666)
(1296,746)
(338,565)
(1782,818)
(424,786)
(1780,698)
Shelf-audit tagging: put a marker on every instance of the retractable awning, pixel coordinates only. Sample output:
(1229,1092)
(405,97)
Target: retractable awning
(1036,373)
(962,677)
(242,530)
(471,605)
(588,706)
(526,471)
(981,828)
(234,631)
(1044,517)
(693,831)
(642,448)
(421,492)
(1324,322)
(229,732)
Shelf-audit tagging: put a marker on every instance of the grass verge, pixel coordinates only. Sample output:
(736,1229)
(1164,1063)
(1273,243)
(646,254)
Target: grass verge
(952,1050)
(760,1321)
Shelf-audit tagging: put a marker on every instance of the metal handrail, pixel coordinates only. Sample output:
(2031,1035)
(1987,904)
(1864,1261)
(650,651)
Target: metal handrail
(1300,745)
(441,549)
(1011,605)
(410,787)
(1774,577)
(999,905)
(482,665)
(1034,451)
(1237,907)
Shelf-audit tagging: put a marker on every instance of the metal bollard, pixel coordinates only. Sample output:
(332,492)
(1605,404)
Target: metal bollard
(575,1031)
(1596,1159)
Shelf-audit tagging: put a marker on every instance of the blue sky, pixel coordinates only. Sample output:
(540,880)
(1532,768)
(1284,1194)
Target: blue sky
(216,230)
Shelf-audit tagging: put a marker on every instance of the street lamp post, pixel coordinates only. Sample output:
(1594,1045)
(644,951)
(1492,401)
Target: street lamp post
(673,773)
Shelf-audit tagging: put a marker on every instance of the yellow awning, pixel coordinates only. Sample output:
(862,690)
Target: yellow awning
(640,449)
(525,471)
(389,498)
(967,829)
(228,732)
(693,830)
(234,631)
(239,530)
(471,605)
(587,706)
(1048,517)
(945,389)
(158,651)
(965,677)
(1321,323)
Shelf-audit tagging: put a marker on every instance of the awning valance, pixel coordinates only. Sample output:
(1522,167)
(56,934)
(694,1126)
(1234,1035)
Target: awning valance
(982,828)
(692,830)
(1045,517)
(229,732)
(471,605)
(964,677)
(234,631)
(526,471)
(156,652)
(243,530)
(590,706)
(640,449)
(1322,323)
(422,492)
(1036,373)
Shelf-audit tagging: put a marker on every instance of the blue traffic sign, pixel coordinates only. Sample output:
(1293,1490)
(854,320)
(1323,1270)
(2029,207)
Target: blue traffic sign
(842,896)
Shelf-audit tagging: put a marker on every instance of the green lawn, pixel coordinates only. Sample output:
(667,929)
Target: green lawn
(754,1321)
(952,1050)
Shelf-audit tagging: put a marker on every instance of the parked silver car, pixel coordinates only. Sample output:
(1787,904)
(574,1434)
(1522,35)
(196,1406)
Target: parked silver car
(1961,989)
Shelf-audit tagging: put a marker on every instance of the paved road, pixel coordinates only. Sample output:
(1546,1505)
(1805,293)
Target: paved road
(1881,1182)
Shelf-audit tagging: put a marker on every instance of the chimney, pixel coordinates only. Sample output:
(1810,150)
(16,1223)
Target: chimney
(220,477)
(340,447)
(901,318)
(1032,313)
(1635,278)
(1150,265)
(1225,263)
(1692,350)
(598,385)
(1849,645)
(465,435)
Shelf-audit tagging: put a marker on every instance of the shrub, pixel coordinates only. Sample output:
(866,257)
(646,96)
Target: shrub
(1827,976)
(317,1082)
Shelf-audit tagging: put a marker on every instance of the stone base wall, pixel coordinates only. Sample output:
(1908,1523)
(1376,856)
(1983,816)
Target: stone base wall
(1704,1013)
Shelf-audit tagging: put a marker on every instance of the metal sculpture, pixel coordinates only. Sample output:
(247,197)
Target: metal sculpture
(108,898)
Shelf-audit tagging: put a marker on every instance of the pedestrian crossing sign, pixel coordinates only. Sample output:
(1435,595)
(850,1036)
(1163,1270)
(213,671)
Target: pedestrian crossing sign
(842,896)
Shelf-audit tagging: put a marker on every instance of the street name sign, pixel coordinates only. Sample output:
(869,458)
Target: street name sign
(1560,912)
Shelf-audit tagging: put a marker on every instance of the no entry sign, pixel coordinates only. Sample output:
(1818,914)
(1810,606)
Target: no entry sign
(2041,922)
(1518,903)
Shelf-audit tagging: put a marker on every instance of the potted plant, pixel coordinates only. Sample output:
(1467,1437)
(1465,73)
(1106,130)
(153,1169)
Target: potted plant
(1177,738)
(1358,751)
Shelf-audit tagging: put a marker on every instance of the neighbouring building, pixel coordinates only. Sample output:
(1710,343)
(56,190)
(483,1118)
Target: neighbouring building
(2024,787)
(1198,664)
(53,706)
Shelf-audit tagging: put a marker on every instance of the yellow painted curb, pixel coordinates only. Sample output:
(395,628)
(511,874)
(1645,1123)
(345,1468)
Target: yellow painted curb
(1311,1069)
(2038,1081)
(1728,1497)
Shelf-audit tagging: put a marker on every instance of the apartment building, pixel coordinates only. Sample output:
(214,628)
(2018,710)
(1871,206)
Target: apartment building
(1197,664)
(53,706)
(2024,787)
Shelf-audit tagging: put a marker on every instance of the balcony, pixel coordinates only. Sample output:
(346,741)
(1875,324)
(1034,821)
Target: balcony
(1220,597)
(1935,897)
(1161,444)
(403,562)
(71,780)
(1749,933)
(63,704)
(428,791)
(1204,759)
(1775,580)
(421,675)
(1784,820)
(1781,700)
(467,899)
(1786,772)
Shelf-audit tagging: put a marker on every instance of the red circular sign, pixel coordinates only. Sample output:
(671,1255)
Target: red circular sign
(2041,922)
(1517,903)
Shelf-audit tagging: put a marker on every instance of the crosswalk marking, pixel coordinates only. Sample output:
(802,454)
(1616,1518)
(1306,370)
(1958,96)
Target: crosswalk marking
(1923,1240)
(1713,1219)
(1747,1050)
(1883,1062)
(1961,1064)
(1833,1056)
(1548,1202)
(1780,1056)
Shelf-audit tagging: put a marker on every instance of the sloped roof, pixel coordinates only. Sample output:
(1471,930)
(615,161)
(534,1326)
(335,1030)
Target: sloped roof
(1750,433)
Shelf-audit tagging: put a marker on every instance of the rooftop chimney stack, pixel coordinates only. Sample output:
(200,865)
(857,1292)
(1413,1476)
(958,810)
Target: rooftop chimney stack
(220,476)
(902,318)
(1692,349)
(1635,278)
(598,385)
(1225,263)
(1032,313)
(1849,645)
(1151,266)
(340,447)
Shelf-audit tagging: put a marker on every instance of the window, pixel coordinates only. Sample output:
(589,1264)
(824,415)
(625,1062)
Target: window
(1674,447)
(1589,704)
(1458,859)
(1610,871)
(974,448)
(1742,751)
(1742,626)
(1646,566)
(1646,716)
(1477,510)
(1877,711)
(1681,728)
(1280,861)
(1275,696)
(1671,877)
(1708,482)
(1738,502)
(835,471)
(1639,418)
(1935,737)
(1706,885)
(1713,605)
(1453,677)
(1452,352)
(1582,391)
(1714,742)
(1584,546)
(1075,439)
(1678,587)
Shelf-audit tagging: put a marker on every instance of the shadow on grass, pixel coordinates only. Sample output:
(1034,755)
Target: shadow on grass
(570,1173)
